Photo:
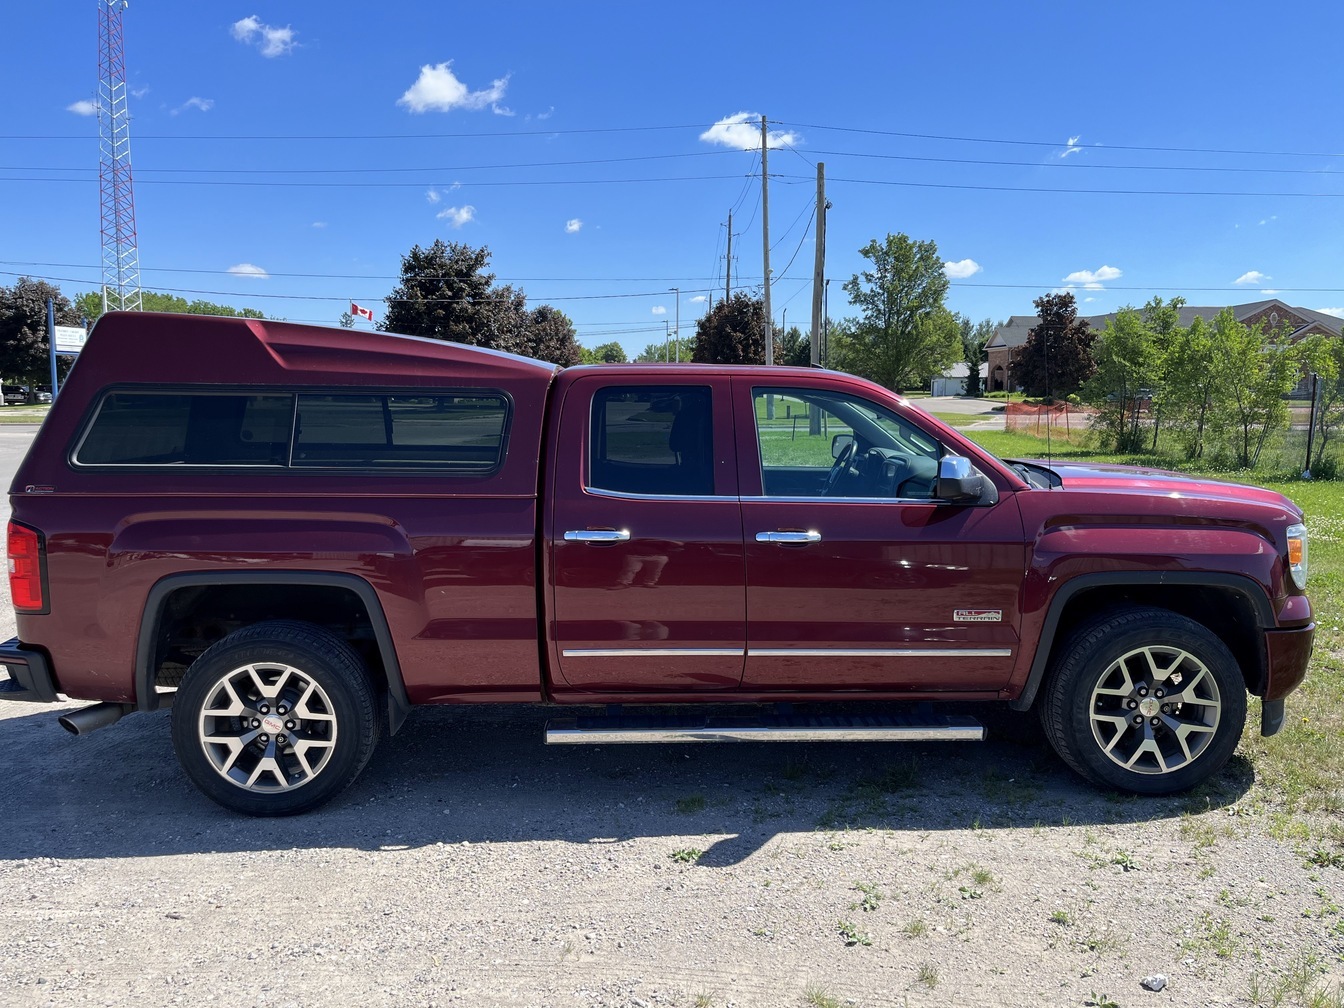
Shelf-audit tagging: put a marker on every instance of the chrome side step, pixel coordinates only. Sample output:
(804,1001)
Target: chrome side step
(919,726)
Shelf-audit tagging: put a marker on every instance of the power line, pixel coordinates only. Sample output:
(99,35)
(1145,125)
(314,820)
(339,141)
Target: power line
(370,136)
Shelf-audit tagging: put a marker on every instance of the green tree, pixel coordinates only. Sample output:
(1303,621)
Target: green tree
(1128,354)
(445,293)
(1256,370)
(1324,355)
(732,332)
(25,352)
(346,321)
(606,353)
(795,349)
(904,335)
(1056,359)
(90,306)
(1189,385)
(974,338)
(549,336)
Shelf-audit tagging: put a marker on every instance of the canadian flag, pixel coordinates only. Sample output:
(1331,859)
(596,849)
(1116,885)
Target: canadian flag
(359,312)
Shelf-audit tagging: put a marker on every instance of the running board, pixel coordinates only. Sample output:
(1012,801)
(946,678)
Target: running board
(917,726)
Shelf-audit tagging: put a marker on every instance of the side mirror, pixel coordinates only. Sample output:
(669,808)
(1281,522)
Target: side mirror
(839,443)
(958,482)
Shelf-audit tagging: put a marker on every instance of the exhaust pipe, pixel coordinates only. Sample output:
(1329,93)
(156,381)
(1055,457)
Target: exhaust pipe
(83,721)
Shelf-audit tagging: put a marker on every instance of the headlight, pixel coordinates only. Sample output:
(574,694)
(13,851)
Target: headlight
(1297,554)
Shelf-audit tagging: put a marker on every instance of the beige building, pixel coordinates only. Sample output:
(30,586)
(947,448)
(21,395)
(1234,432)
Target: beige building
(1273,313)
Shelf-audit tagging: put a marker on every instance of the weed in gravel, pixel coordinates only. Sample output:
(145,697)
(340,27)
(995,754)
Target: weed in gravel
(687,855)
(916,928)
(820,997)
(1125,860)
(1198,832)
(984,877)
(1214,935)
(1301,986)
(852,935)
(1095,1000)
(1324,857)
(927,975)
(690,804)
(1061,917)
(872,896)
(703,1000)
(970,892)
(1102,943)
(793,770)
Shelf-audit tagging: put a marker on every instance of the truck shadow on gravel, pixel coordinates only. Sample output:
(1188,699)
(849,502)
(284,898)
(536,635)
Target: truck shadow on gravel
(483,775)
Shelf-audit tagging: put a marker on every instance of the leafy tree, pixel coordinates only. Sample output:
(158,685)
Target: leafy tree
(904,334)
(90,306)
(346,321)
(1129,356)
(795,349)
(974,338)
(654,353)
(1189,385)
(1255,371)
(445,293)
(732,332)
(1325,356)
(1056,359)
(549,336)
(607,353)
(25,353)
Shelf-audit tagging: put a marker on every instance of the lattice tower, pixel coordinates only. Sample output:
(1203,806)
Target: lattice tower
(121,258)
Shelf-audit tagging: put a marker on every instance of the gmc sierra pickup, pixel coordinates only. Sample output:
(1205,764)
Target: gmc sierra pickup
(291,535)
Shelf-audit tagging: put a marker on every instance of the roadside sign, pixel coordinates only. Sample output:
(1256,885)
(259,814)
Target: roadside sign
(70,339)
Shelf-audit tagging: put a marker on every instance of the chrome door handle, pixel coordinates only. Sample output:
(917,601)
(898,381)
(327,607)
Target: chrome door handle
(598,536)
(788,537)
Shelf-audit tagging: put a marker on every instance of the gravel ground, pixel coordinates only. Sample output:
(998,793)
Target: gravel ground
(472,865)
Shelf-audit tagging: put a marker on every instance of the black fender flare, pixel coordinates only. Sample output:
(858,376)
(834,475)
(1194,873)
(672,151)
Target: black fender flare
(398,704)
(1242,585)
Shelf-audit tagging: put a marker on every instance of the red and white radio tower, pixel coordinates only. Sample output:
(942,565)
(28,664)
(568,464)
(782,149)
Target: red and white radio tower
(121,258)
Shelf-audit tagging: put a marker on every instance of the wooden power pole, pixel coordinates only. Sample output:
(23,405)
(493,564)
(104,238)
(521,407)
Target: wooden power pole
(728,271)
(765,248)
(819,264)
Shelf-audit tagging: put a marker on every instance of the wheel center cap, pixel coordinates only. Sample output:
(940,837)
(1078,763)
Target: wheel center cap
(272,725)
(1149,706)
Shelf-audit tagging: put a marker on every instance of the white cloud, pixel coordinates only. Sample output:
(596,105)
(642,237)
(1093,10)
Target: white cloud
(432,196)
(319,223)
(248,270)
(84,108)
(270,40)
(1337,312)
(659,310)
(1252,277)
(1269,290)
(1093,279)
(699,299)
(573,226)
(457,216)
(743,132)
(1273,217)
(1072,147)
(437,89)
(961,270)
(139,92)
(202,104)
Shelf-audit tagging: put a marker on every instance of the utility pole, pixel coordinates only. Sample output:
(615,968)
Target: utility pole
(819,265)
(121,256)
(677,330)
(728,266)
(765,246)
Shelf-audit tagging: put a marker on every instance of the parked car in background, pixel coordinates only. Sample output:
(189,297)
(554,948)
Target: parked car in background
(40,394)
(14,395)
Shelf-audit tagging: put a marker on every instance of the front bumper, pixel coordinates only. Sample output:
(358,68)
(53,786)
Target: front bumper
(29,674)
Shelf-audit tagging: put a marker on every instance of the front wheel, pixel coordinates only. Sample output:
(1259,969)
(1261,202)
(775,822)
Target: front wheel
(1145,700)
(275,719)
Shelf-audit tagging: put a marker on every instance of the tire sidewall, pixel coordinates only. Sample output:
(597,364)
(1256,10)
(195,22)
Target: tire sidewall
(326,660)
(1069,700)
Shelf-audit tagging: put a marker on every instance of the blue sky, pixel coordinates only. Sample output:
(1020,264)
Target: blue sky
(287,154)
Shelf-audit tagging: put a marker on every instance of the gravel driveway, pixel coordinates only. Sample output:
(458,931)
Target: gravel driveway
(472,865)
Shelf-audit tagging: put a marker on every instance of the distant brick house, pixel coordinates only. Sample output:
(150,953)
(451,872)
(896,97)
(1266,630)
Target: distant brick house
(1273,313)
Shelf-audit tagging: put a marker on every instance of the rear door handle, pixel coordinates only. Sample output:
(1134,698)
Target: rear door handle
(795,538)
(598,535)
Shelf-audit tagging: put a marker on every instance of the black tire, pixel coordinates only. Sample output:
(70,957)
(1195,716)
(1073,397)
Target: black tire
(275,719)
(1170,673)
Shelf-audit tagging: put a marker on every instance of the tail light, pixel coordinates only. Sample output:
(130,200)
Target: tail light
(25,569)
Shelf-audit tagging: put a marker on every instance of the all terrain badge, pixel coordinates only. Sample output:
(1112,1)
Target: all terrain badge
(977,615)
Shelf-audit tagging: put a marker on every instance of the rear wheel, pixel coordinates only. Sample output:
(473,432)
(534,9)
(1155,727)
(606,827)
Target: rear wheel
(1145,700)
(275,719)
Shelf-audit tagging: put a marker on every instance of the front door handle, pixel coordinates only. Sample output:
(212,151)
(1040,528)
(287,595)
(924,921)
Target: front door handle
(598,536)
(788,538)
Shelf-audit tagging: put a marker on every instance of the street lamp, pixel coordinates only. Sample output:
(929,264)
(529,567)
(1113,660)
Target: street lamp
(677,292)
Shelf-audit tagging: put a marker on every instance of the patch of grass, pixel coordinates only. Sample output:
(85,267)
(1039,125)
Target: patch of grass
(690,804)
(927,974)
(1197,831)
(1214,935)
(872,897)
(1061,917)
(852,935)
(985,878)
(1302,987)
(916,928)
(703,1000)
(687,855)
(820,997)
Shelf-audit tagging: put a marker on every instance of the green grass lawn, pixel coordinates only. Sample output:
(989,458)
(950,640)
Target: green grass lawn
(1299,772)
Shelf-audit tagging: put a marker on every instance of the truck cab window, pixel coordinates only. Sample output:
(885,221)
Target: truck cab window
(655,440)
(816,443)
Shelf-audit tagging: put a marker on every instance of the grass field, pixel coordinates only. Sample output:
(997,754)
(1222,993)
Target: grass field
(1299,773)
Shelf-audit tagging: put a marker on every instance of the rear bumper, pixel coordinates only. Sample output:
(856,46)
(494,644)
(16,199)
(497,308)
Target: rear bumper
(29,674)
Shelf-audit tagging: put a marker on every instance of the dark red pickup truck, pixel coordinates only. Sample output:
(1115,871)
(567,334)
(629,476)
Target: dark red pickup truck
(292,534)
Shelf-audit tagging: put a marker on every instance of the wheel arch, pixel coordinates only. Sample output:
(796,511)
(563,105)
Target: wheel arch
(154,641)
(1232,605)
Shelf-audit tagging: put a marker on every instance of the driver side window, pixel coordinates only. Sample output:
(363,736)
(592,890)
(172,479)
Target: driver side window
(816,443)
